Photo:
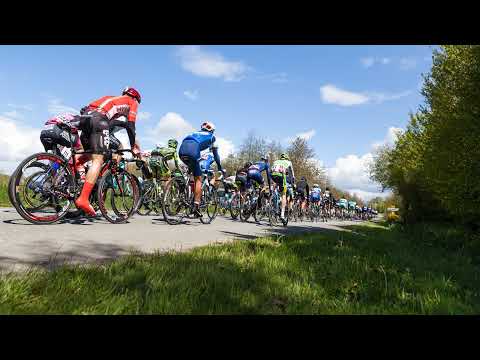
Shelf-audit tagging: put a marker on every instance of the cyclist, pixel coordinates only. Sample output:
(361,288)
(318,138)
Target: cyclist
(206,164)
(53,133)
(283,174)
(343,204)
(241,176)
(104,114)
(189,152)
(303,191)
(255,172)
(351,207)
(316,194)
(164,160)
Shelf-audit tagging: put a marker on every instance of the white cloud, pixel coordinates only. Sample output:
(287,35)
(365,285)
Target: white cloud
(390,138)
(278,78)
(173,125)
(14,114)
(210,64)
(351,173)
(143,115)
(370,61)
(123,137)
(225,147)
(56,107)
(331,94)
(367,62)
(380,97)
(20,142)
(21,107)
(307,135)
(408,63)
(368,195)
(191,94)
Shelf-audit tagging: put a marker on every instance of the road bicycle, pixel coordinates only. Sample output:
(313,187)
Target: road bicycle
(45,185)
(178,199)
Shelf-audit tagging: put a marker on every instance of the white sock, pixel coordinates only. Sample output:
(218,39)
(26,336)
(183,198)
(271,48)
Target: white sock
(283,212)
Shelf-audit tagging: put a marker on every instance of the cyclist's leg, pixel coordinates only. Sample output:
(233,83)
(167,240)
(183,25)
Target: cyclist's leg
(97,128)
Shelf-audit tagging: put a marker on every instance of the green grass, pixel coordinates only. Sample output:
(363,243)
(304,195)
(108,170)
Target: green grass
(375,270)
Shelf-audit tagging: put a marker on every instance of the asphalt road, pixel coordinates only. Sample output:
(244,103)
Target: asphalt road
(23,245)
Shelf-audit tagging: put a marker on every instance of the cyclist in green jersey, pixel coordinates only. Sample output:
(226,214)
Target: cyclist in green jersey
(164,160)
(282,174)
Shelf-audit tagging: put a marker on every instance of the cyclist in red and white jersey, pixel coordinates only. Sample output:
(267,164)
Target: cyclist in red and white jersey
(105,116)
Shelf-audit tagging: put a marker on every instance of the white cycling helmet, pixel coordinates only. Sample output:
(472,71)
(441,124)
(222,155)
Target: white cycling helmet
(316,185)
(208,126)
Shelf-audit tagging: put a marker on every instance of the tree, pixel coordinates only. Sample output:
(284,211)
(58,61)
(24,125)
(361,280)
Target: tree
(302,156)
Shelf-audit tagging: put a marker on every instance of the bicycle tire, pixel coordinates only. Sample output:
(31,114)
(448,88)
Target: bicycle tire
(15,181)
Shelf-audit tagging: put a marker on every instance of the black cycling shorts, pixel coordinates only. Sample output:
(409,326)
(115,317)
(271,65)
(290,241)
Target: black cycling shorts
(242,180)
(301,194)
(95,133)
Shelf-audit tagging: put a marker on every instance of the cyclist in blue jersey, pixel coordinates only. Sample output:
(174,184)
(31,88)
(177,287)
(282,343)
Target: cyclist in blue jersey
(205,165)
(255,172)
(315,194)
(189,153)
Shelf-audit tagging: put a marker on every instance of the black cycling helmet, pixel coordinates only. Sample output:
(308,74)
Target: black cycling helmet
(303,178)
(247,164)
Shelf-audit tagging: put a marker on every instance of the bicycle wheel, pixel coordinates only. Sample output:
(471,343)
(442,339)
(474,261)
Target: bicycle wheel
(209,204)
(245,208)
(235,206)
(147,198)
(117,196)
(175,202)
(41,188)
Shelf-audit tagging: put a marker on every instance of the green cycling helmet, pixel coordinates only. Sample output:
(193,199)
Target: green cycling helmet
(172,143)
(284,157)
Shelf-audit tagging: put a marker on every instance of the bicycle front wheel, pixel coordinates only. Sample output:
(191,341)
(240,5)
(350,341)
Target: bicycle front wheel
(117,196)
(209,205)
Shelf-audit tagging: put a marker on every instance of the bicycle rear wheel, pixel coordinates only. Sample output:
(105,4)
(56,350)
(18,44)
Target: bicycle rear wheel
(175,202)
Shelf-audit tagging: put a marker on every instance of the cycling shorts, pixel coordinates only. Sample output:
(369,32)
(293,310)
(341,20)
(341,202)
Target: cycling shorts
(189,153)
(281,180)
(242,180)
(256,176)
(53,135)
(95,133)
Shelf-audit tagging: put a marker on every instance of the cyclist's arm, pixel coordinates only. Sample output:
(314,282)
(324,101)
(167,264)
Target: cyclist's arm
(269,176)
(175,158)
(217,158)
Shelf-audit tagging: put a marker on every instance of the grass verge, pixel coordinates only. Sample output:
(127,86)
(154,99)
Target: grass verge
(373,270)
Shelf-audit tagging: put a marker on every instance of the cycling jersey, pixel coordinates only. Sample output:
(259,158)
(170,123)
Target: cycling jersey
(192,146)
(280,170)
(205,139)
(352,204)
(206,162)
(316,193)
(52,134)
(116,106)
(255,172)
(163,160)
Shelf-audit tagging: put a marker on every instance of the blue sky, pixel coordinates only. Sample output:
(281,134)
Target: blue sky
(344,99)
